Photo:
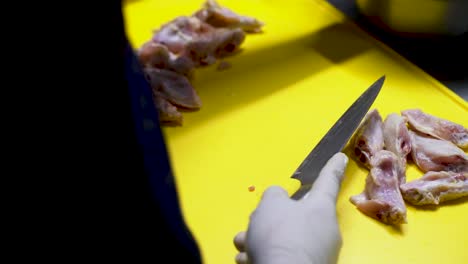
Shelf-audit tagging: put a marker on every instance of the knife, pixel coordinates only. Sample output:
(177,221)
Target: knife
(335,139)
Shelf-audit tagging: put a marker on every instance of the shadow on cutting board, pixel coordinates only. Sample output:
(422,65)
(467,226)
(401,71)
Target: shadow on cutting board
(256,74)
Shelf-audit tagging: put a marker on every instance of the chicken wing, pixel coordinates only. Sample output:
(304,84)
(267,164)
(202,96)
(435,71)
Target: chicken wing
(368,138)
(185,43)
(200,42)
(175,88)
(437,127)
(431,154)
(156,55)
(381,198)
(436,187)
(218,16)
(397,140)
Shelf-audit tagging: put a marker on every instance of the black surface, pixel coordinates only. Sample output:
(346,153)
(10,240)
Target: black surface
(444,58)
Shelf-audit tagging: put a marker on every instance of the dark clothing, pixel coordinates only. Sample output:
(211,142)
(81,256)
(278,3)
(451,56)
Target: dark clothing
(162,218)
(92,164)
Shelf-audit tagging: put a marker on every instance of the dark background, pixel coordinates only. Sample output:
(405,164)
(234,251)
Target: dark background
(445,58)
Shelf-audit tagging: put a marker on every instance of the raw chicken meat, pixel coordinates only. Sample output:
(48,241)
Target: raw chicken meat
(436,187)
(175,88)
(181,31)
(156,55)
(396,135)
(437,127)
(185,43)
(168,113)
(218,16)
(397,140)
(381,198)
(200,42)
(225,42)
(431,154)
(368,139)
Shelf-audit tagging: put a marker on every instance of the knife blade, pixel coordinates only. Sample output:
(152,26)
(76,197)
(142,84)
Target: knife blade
(335,139)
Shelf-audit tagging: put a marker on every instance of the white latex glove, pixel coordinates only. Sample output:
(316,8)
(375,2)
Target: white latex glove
(286,231)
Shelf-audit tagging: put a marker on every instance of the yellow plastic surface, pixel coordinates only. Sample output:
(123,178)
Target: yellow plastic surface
(261,117)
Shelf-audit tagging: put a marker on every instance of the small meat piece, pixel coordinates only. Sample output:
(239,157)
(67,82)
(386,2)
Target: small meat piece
(218,16)
(168,113)
(223,65)
(368,138)
(397,140)
(437,127)
(381,198)
(431,154)
(435,188)
(200,42)
(156,55)
(175,87)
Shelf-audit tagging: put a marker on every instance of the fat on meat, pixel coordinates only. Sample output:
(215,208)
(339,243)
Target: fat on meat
(381,198)
(200,42)
(175,88)
(437,127)
(219,16)
(435,188)
(397,140)
(432,154)
(368,139)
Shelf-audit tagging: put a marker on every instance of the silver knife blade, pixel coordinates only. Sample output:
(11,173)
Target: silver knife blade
(335,139)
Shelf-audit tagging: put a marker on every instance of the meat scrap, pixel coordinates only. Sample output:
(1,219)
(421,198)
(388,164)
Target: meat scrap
(432,154)
(223,65)
(368,139)
(381,198)
(435,188)
(437,127)
(185,43)
(397,140)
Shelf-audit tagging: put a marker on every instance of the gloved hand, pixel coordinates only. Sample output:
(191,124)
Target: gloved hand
(286,231)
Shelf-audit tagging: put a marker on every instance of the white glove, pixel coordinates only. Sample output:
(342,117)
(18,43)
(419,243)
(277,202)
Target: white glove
(285,231)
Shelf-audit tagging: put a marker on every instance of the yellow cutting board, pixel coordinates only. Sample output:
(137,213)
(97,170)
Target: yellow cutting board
(261,117)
